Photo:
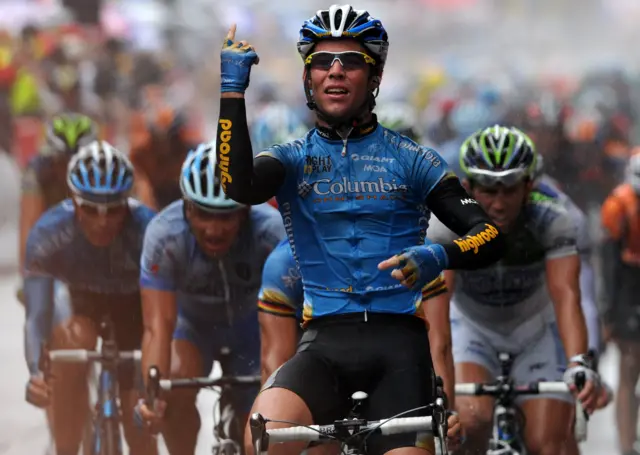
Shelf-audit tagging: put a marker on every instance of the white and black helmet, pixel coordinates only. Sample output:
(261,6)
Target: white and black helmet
(100,173)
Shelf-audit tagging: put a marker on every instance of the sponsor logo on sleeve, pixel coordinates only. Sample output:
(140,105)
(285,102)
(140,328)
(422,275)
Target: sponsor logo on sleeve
(474,242)
(223,152)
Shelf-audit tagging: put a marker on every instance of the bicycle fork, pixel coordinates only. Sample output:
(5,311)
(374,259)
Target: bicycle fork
(106,426)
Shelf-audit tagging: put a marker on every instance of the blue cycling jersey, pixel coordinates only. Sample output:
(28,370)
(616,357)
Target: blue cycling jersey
(57,249)
(347,206)
(209,290)
(281,292)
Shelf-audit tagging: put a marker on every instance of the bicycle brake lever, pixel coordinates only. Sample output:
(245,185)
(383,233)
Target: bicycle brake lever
(153,386)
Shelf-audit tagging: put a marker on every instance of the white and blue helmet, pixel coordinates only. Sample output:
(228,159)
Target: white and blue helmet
(199,183)
(100,173)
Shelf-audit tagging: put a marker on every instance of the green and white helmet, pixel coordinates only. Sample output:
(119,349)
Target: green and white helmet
(498,155)
(66,133)
(399,117)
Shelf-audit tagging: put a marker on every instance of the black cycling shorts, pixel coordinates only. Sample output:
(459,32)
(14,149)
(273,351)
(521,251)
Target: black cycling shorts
(388,357)
(126,317)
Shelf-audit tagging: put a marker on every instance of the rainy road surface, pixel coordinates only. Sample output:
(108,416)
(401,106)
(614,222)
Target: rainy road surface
(22,427)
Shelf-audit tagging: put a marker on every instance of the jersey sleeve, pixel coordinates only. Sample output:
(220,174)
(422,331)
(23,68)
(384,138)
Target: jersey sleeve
(583,241)
(42,252)
(427,168)
(285,153)
(279,152)
(159,259)
(561,237)
(613,218)
(281,293)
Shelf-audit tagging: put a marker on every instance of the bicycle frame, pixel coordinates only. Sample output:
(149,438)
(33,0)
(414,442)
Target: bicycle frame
(107,418)
(106,425)
(223,429)
(106,438)
(507,438)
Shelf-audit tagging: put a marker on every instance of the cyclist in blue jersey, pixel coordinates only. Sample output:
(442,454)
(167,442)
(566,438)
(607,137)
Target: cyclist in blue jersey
(280,304)
(356,229)
(526,304)
(91,243)
(200,275)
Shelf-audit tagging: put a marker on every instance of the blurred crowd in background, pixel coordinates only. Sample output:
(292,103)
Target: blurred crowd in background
(562,71)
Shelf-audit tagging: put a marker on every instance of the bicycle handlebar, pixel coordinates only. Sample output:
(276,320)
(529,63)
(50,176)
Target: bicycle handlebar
(497,389)
(534,388)
(84,355)
(199,383)
(262,437)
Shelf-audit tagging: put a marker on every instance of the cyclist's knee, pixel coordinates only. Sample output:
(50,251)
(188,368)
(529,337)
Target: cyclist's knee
(76,333)
(552,428)
(280,404)
(475,414)
(186,362)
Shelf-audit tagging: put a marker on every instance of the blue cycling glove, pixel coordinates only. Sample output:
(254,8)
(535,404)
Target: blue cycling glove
(422,264)
(236,60)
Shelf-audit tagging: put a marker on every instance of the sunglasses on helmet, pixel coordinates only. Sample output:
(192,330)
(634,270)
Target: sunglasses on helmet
(350,60)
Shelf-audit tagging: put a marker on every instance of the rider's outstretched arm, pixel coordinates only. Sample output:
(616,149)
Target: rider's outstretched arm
(244,179)
(38,291)
(158,290)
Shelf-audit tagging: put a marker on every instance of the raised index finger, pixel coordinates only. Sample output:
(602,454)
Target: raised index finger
(393,261)
(231,35)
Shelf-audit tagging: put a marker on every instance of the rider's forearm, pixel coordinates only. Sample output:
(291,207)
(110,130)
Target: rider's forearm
(481,243)
(159,317)
(436,312)
(571,322)
(242,179)
(442,356)
(156,349)
(38,291)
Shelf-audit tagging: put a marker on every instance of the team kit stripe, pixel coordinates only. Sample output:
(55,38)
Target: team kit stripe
(275,308)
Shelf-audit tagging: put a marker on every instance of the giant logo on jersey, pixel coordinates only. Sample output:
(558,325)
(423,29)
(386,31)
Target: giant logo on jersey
(474,242)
